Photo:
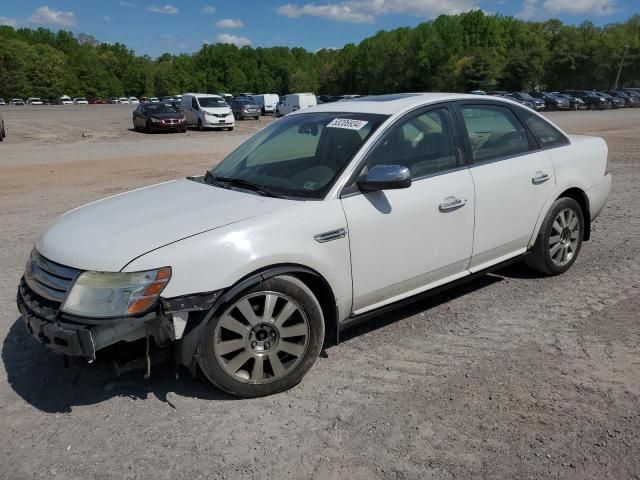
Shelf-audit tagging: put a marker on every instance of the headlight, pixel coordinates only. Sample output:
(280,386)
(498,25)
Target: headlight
(154,119)
(209,114)
(106,294)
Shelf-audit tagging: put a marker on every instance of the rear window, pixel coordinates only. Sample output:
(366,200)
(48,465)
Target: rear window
(546,134)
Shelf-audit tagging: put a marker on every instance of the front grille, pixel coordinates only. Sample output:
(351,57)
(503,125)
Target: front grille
(49,279)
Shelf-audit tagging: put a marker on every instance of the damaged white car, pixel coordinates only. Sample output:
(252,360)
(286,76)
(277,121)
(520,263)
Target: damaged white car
(324,218)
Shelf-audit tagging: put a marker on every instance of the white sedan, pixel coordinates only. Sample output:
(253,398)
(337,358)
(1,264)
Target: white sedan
(324,218)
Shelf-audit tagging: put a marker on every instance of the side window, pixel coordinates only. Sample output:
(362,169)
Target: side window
(194,103)
(546,134)
(423,143)
(494,132)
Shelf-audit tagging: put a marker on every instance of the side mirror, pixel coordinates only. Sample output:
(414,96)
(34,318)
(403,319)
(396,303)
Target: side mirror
(385,177)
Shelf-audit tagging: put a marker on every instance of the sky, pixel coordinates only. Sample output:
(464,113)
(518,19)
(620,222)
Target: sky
(153,27)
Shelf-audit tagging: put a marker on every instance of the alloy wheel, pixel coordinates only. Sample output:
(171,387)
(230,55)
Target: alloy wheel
(564,238)
(261,337)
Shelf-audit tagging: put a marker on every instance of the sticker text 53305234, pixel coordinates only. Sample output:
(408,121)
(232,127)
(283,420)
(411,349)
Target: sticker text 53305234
(348,123)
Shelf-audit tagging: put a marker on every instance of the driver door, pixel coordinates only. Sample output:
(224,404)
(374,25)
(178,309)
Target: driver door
(408,240)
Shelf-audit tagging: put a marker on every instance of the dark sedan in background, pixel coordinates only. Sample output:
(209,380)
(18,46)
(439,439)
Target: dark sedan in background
(591,99)
(538,104)
(157,117)
(551,101)
(614,101)
(243,107)
(630,101)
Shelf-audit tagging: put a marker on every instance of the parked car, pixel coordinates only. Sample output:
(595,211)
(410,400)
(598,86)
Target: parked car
(34,101)
(17,101)
(207,111)
(551,101)
(267,102)
(591,99)
(123,101)
(156,117)
(113,100)
(245,107)
(538,103)
(227,97)
(614,101)
(295,101)
(575,103)
(153,99)
(629,100)
(478,92)
(526,103)
(319,221)
(498,93)
(98,101)
(80,101)
(3,133)
(2,101)
(134,100)
(65,100)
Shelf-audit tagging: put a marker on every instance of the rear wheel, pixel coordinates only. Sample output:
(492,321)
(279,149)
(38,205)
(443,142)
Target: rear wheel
(264,340)
(560,238)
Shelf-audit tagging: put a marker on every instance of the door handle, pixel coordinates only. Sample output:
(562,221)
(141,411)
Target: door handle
(539,178)
(452,203)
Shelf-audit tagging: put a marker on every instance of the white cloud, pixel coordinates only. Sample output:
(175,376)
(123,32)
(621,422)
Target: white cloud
(229,23)
(123,3)
(530,10)
(366,11)
(579,7)
(11,22)
(233,39)
(46,16)
(167,9)
(209,10)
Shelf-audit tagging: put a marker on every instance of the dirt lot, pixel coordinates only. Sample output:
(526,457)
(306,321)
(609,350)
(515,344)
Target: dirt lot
(510,376)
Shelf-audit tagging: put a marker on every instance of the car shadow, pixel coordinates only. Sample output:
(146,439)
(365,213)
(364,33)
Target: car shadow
(419,306)
(41,378)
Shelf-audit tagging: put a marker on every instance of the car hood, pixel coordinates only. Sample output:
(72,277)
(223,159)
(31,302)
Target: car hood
(107,234)
(216,110)
(163,116)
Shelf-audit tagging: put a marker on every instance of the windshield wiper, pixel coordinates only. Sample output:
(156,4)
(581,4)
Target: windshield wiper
(238,182)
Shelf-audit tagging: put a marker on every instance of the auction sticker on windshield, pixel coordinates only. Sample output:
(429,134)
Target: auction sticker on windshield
(347,123)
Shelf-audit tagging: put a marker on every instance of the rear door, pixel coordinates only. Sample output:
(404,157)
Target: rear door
(513,179)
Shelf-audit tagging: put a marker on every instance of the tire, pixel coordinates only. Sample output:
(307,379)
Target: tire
(256,118)
(149,127)
(559,240)
(200,127)
(230,129)
(256,364)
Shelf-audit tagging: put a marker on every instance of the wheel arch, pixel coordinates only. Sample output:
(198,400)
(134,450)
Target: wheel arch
(583,200)
(319,286)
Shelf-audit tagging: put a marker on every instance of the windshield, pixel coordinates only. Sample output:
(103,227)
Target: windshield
(211,102)
(299,155)
(525,96)
(160,108)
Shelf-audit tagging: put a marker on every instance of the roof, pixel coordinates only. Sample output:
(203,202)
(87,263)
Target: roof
(389,104)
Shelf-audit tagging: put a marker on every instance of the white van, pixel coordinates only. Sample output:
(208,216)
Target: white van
(295,101)
(207,111)
(267,102)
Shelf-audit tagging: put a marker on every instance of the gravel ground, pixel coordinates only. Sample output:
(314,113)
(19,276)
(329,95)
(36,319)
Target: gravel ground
(510,376)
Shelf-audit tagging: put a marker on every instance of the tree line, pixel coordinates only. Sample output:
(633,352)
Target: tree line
(450,53)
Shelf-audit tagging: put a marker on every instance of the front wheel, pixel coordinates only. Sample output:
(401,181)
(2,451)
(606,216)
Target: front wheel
(560,238)
(264,340)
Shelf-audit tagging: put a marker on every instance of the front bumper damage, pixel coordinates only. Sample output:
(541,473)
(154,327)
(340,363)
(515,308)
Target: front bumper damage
(80,337)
